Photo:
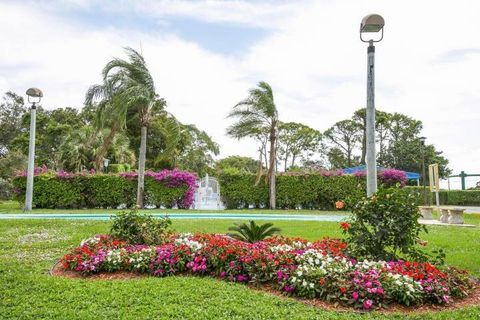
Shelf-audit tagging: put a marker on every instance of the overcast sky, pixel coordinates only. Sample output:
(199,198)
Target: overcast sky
(205,55)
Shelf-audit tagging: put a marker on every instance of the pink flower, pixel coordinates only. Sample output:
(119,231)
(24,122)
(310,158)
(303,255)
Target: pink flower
(445,298)
(288,288)
(368,284)
(367,304)
(355,295)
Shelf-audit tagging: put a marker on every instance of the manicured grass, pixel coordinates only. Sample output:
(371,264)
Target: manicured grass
(28,249)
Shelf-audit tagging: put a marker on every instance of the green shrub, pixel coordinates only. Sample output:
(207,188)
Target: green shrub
(138,228)
(450,197)
(384,226)
(95,191)
(117,168)
(310,191)
(6,189)
(158,194)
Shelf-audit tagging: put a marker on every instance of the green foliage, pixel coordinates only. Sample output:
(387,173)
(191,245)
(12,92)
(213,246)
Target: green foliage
(159,195)
(238,163)
(297,141)
(137,228)
(116,168)
(12,109)
(6,189)
(95,191)
(252,232)
(460,197)
(308,191)
(384,226)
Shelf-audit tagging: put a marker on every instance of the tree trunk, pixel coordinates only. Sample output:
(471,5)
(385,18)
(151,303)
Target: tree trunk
(272,166)
(286,163)
(104,148)
(141,167)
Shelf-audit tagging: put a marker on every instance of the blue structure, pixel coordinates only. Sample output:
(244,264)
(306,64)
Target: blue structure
(352,170)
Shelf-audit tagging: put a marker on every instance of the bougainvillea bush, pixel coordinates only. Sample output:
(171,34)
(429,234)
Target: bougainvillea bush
(320,269)
(167,188)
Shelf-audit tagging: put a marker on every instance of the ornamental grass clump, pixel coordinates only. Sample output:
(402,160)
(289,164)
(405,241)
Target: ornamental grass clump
(317,270)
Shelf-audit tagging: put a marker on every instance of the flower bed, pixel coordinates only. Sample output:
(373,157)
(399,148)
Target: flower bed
(321,269)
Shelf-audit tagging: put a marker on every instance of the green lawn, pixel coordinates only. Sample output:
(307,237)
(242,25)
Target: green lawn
(28,248)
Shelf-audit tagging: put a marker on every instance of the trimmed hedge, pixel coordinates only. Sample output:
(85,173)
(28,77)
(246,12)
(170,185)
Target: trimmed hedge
(96,191)
(460,197)
(452,197)
(313,191)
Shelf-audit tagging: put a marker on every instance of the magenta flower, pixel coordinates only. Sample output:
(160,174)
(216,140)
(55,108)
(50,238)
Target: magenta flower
(367,304)
(355,295)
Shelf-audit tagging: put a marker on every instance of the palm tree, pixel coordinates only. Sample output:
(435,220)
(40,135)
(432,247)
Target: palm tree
(258,113)
(253,232)
(128,86)
(109,113)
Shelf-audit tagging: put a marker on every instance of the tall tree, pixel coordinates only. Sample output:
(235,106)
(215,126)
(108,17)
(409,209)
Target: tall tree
(345,136)
(297,140)
(256,114)
(238,163)
(136,92)
(12,110)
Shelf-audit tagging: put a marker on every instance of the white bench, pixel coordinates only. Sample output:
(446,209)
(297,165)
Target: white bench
(426,212)
(456,216)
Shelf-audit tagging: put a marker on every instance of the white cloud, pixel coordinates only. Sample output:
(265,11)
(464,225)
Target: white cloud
(427,64)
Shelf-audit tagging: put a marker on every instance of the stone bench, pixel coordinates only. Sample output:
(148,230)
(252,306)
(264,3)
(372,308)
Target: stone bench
(426,212)
(444,214)
(456,215)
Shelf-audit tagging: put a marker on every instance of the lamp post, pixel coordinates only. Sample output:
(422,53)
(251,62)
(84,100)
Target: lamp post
(34,96)
(424,172)
(373,23)
(105,164)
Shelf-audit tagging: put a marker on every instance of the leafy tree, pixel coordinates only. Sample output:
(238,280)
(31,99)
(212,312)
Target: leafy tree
(252,232)
(239,163)
(12,110)
(297,140)
(77,152)
(258,114)
(10,163)
(197,152)
(52,127)
(345,137)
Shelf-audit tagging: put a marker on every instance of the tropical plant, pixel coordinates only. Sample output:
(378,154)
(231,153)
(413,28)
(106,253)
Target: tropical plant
(257,114)
(138,228)
(129,88)
(252,232)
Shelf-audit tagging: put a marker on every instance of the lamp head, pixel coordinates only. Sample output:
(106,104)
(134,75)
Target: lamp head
(371,24)
(422,140)
(35,94)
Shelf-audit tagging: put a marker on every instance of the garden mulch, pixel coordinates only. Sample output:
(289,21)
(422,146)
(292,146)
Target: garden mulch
(473,299)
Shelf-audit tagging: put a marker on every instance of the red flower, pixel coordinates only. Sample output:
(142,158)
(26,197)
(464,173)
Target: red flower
(344,225)
(343,289)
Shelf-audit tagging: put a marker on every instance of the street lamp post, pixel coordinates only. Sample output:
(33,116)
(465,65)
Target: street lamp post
(424,171)
(34,96)
(105,164)
(372,23)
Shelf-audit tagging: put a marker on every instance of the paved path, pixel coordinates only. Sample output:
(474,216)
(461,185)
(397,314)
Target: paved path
(192,216)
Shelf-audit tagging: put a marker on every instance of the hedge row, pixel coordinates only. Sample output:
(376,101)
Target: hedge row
(96,191)
(312,191)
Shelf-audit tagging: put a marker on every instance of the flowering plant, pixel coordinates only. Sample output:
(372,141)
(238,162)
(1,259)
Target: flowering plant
(320,269)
